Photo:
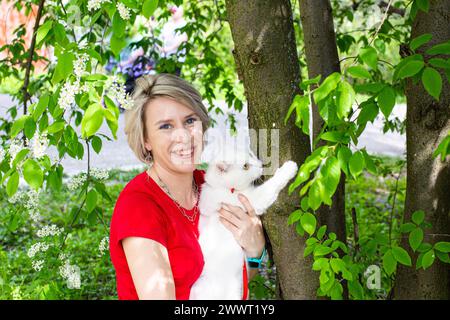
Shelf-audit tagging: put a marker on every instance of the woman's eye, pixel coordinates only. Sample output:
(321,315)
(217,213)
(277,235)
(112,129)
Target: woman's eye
(246,166)
(165,126)
(191,120)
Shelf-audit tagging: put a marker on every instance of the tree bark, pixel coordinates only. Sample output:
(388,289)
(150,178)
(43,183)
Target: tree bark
(267,63)
(428,179)
(322,58)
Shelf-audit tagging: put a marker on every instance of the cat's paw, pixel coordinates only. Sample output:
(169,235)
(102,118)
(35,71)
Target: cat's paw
(288,170)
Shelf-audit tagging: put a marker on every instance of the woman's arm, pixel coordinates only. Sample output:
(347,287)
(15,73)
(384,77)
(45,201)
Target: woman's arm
(149,265)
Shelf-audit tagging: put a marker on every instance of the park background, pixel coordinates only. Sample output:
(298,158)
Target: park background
(256,64)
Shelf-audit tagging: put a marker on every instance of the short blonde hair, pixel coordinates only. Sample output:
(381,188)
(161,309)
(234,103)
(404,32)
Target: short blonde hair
(149,87)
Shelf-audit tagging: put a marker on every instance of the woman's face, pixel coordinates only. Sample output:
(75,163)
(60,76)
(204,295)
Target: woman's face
(174,135)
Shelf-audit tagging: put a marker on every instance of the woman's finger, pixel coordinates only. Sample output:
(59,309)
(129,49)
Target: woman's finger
(230,226)
(248,207)
(236,210)
(230,217)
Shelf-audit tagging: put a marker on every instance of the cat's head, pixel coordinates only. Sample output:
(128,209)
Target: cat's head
(231,163)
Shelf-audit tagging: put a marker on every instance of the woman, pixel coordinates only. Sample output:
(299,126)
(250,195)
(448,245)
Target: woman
(154,228)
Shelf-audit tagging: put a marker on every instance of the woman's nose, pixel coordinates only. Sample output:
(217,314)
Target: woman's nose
(181,135)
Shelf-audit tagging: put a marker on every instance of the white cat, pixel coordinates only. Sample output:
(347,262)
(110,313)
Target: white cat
(231,170)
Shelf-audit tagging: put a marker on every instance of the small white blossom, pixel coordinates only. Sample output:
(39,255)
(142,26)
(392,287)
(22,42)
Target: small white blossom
(79,65)
(32,199)
(71,273)
(124,12)
(104,245)
(100,174)
(2,155)
(95,4)
(34,215)
(117,92)
(37,264)
(39,144)
(36,248)
(76,182)
(67,95)
(52,230)
(14,148)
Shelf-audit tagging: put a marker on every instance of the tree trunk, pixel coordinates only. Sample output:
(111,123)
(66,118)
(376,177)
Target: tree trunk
(428,179)
(322,58)
(267,63)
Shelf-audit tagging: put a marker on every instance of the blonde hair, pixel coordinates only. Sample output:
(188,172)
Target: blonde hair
(149,87)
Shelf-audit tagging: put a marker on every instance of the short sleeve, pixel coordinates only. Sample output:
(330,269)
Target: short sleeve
(137,215)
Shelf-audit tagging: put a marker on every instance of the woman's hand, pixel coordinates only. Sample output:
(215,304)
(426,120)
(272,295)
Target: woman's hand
(245,226)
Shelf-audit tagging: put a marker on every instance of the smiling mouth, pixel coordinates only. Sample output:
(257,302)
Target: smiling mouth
(185,153)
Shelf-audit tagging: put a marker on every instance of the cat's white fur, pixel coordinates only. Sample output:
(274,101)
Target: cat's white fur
(222,277)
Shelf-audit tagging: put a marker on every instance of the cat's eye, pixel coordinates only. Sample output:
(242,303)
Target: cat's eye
(246,166)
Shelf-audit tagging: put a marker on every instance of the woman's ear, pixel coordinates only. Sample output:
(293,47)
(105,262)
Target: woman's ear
(147,146)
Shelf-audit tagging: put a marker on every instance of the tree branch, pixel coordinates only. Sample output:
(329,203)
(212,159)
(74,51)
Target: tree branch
(30,57)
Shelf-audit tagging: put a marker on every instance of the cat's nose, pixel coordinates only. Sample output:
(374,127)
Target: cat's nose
(222,167)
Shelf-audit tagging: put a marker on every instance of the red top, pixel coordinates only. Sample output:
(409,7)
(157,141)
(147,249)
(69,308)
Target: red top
(144,210)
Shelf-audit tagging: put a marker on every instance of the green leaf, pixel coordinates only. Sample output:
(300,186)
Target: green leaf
(13,184)
(308,222)
(401,256)
(64,67)
(386,100)
(315,195)
(389,262)
(415,238)
(441,48)
(328,85)
(407,227)
(344,155)
(294,217)
(32,173)
(418,217)
(432,82)
(411,68)
(444,257)
(29,127)
(359,72)
(320,264)
(117,44)
(43,31)
(423,5)
(56,126)
(331,173)
(321,250)
(96,144)
(420,40)
(369,163)
(92,120)
(369,56)
(299,229)
(20,156)
(333,136)
(304,85)
(41,106)
(18,125)
(356,164)
(442,246)
(149,7)
(439,63)
(368,113)
(118,25)
(345,99)
(321,232)
(91,200)
(428,259)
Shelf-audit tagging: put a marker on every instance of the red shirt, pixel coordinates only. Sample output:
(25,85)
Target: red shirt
(144,210)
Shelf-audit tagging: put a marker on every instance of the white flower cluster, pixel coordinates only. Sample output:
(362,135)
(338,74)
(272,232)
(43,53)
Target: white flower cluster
(76,182)
(14,148)
(39,144)
(67,95)
(37,264)
(95,4)
(124,12)
(2,155)
(104,245)
(117,92)
(100,174)
(52,230)
(79,65)
(71,273)
(29,199)
(36,248)
(34,215)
